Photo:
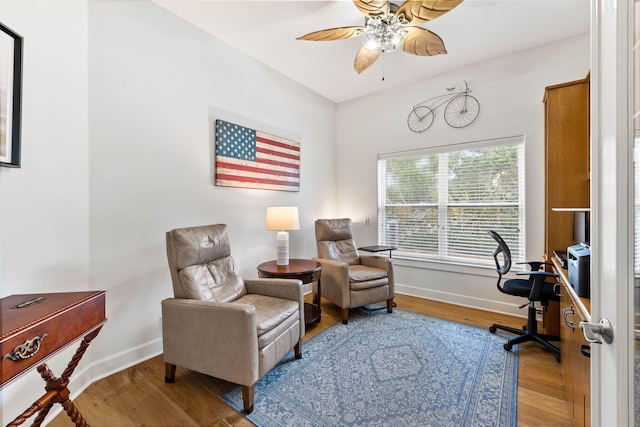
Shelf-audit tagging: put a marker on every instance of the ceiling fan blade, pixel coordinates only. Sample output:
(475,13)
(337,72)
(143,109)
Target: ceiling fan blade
(417,12)
(364,59)
(333,34)
(373,7)
(421,42)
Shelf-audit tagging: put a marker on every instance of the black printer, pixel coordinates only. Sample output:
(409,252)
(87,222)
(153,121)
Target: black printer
(578,261)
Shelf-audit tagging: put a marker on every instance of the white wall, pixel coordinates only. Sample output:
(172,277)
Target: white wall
(510,91)
(118,149)
(44,205)
(156,86)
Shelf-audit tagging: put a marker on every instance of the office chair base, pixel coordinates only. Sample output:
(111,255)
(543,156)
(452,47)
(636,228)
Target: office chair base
(528,333)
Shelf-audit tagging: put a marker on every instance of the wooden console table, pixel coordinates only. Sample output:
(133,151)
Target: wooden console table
(302,269)
(37,326)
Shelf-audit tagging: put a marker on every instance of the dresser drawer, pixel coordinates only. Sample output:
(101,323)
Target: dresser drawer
(45,332)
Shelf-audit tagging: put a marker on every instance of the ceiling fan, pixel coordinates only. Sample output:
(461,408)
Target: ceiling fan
(388,26)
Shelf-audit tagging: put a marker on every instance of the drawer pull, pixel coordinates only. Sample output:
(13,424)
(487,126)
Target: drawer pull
(26,350)
(567,311)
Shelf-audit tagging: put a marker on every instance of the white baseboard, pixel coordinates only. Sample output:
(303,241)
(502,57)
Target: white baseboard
(117,362)
(462,300)
(457,299)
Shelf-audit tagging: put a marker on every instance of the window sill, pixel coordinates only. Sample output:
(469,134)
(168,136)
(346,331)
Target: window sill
(452,266)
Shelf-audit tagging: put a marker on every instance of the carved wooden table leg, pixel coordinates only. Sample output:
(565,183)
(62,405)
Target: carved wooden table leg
(57,390)
(40,404)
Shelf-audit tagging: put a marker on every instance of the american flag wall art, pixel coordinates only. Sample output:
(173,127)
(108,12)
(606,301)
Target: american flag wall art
(248,158)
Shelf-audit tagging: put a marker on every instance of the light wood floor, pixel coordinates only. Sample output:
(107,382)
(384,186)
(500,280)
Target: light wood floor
(138,395)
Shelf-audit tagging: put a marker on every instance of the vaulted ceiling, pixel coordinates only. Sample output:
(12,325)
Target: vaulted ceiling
(473,32)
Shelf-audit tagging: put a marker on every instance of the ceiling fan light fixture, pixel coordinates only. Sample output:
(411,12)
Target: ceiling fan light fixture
(383,34)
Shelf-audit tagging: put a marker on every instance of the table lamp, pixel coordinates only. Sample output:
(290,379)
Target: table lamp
(282,218)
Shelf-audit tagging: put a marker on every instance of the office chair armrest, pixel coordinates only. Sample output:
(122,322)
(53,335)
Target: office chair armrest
(537,273)
(534,265)
(538,282)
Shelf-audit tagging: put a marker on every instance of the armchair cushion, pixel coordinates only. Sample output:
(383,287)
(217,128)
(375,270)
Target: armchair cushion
(216,280)
(212,243)
(270,312)
(341,250)
(362,273)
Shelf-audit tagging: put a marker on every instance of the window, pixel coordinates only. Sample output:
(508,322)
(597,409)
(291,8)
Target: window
(437,204)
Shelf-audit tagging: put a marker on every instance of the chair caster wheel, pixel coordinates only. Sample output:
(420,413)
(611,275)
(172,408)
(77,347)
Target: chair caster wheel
(492,329)
(508,347)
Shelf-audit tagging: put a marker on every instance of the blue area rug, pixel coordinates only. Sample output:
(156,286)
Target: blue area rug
(399,369)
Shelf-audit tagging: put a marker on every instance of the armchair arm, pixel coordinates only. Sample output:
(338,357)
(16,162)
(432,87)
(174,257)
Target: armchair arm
(291,289)
(335,281)
(214,338)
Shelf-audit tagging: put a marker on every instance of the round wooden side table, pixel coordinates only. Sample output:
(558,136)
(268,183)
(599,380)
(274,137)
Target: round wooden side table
(307,271)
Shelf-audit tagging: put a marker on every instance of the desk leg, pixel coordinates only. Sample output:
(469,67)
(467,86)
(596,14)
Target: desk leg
(57,391)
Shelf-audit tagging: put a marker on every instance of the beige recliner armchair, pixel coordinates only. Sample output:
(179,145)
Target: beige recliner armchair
(219,324)
(348,279)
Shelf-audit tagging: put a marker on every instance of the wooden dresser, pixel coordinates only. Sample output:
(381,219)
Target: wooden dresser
(37,326)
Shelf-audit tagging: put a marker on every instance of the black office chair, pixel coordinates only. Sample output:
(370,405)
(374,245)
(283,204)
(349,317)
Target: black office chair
(534,289)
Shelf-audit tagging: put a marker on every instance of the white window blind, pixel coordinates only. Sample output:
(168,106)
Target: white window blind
(438,204)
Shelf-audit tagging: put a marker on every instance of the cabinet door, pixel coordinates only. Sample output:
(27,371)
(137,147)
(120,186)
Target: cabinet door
(566,160)
(567,332)
(581,380)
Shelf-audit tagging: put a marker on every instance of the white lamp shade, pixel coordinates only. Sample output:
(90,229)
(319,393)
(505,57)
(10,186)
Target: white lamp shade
(281,218)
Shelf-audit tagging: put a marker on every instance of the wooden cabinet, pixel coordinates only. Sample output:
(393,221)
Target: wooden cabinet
(575,365)
(567,186)
(567,159)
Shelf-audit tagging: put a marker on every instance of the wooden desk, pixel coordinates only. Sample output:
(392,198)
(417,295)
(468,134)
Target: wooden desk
(582,304)
(575,366)
(37,326)
(302,269)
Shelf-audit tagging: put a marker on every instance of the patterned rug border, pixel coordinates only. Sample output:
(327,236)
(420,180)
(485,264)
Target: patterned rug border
(318,344)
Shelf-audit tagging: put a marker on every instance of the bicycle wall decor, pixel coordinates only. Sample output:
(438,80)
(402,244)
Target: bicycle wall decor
(460,111)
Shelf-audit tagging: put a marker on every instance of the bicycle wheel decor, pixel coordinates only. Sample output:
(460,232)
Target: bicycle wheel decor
(420,118)
(461,111)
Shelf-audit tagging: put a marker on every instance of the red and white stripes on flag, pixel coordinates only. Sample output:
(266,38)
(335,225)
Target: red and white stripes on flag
(248,158)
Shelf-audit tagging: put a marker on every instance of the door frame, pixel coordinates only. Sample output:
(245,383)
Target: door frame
(612,208)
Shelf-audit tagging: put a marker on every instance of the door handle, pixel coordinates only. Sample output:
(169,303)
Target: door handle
(594,331)
(566,312)
(585,349)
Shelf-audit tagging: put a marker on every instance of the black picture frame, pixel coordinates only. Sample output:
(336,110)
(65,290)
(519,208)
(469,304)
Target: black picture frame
(10,96)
